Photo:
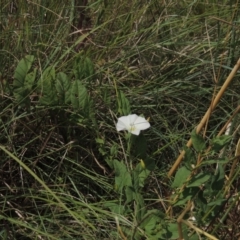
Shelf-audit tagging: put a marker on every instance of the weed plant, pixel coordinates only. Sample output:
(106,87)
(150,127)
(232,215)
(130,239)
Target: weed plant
(69,70)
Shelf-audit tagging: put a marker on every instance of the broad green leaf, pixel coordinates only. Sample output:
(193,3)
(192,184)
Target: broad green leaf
(218,179)
(122,176)
(199,179)
(219,142)
(187,194)
(209,162)
(200,200)
(23,81)
(22,96)
(123,105)
(79,95)
(129,191)
(198,141)
(46,86)
(188,156)
(21,71)
(114,207)
(143,175)
(22,93)
(151,219)
(139,206)
(181,176)
(83,68)
(217,202)
(173,229)
(30,79)
(182,201)
(63,88)
(99,140)
(194,237)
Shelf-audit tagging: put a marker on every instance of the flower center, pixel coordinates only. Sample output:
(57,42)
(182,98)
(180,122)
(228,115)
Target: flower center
(132,127)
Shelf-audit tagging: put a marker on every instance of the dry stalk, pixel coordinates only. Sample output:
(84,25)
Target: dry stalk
(206,116)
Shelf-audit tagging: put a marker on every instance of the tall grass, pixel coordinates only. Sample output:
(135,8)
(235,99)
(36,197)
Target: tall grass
(59,153)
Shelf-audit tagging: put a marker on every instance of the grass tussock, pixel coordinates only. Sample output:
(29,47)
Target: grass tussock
(68,70)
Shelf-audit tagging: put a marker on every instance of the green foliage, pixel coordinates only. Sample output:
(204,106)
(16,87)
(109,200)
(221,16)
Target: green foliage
(122,176)
(181,177)
(22,70)
(67,71)
(79,96)
(46,87)
(199,179)
(202,184)
(24,81)
(83,68)
(54,89)
(198,141)
(219,142)
(63,88)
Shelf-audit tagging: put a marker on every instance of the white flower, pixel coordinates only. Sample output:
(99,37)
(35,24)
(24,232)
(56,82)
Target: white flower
(133,123)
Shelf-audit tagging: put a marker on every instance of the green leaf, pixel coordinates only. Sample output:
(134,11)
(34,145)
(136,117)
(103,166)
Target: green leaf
(143,176)
(83,68)
(99,140)
(63,88)
(219,142)
(21,71)
(199,179)
(187,194)
(129,191)
(181,176)
(30,79)
(200,200)
(139,206)
(22,93)
(122,176)
(194,237)
(151,219)
(79,96)
(218,179)
(22,96)
(182,201)
(188,156)
(115,208)
(217,202)
(173,229)
(220,161)
(23,81)
(46,86)
(123,105)
(198,141)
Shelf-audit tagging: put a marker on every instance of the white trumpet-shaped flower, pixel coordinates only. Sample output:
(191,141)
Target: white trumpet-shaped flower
(132,123)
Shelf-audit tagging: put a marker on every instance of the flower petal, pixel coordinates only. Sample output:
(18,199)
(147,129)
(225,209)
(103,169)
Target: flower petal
(141,123)
(123,123)
(120,126)
(132,118)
